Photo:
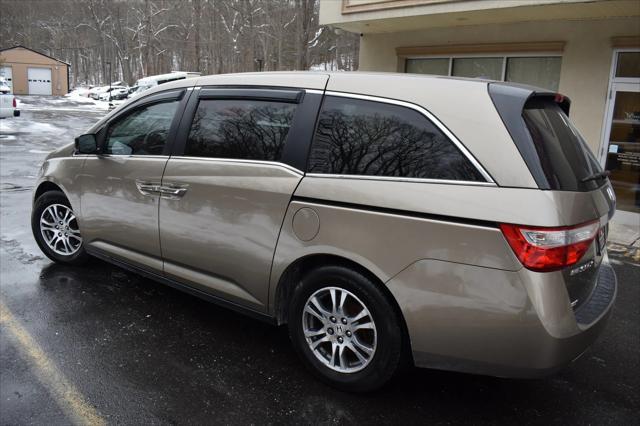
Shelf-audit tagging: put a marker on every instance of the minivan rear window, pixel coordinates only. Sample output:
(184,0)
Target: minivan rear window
(563,154)
(368,138)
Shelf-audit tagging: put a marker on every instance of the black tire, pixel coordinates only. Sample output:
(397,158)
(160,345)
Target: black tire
(386,358)
(45,200)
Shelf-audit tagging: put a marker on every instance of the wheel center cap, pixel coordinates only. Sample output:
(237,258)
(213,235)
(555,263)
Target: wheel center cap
(339,330)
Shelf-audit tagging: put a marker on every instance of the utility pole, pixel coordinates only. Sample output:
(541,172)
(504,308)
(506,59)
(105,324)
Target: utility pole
(109,63)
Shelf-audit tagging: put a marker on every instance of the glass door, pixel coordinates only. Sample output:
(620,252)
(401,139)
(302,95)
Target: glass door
(623,132)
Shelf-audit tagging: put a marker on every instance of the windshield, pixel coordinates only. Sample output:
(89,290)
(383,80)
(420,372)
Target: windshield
(564,156)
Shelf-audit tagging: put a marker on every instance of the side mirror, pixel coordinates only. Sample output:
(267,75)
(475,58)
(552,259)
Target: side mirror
(86,144)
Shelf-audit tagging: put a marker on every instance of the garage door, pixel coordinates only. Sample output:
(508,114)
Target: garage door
(39,81)
(6,73)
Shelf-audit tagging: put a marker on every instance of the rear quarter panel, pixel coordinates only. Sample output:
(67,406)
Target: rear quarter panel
(387,242)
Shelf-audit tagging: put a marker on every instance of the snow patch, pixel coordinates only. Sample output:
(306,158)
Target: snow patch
(24,126)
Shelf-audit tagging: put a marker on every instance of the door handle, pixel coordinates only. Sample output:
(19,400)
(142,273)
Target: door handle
(173,191)
(148,188)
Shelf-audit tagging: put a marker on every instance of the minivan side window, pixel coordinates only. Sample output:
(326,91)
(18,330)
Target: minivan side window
(141,132)
(240,129)
(361,137)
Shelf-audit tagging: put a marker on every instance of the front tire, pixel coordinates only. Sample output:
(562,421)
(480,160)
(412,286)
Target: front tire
(344,329)
(56,230)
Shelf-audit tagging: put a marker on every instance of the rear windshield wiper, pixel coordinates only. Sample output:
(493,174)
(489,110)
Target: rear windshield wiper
(600,175)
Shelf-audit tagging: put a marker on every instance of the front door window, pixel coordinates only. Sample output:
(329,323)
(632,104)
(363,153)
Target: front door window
(142,132)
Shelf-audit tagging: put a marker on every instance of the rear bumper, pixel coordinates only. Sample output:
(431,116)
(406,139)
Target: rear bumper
(498,323)
(601,298)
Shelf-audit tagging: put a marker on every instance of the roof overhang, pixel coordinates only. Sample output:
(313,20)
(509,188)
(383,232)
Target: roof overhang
(6,49)
(385,16)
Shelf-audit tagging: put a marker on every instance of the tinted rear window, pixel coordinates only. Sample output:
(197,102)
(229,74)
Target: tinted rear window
(563,154)
(360,137)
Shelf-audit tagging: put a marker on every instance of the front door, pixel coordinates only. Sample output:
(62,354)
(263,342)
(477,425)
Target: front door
(120,187)
(623,132)
(226,193)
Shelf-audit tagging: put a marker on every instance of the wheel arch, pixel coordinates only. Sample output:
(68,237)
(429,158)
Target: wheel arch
(300,267)
(46,186)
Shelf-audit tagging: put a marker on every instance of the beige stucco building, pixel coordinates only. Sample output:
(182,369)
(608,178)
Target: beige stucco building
(32,73)
(588,50)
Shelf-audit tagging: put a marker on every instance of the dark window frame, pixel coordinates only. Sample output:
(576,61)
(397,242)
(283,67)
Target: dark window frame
(298,140)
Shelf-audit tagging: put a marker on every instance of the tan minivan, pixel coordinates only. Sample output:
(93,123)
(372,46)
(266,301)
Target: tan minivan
(449,223)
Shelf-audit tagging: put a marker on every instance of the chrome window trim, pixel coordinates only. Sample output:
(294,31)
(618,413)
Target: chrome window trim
(75,154)
(430,117)
(314,91)
(242,161)
(401,179)
(131,156)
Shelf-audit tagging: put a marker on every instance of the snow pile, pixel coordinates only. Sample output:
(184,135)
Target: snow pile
(27,126)
(70,102)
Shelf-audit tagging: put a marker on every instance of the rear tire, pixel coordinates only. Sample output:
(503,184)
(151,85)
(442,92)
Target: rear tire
(344,329)
(56,230)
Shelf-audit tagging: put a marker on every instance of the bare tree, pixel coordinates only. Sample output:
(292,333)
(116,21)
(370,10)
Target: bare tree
(145,37)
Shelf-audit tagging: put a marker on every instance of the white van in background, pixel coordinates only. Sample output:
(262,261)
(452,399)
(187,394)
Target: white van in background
(8,102)
(155,80)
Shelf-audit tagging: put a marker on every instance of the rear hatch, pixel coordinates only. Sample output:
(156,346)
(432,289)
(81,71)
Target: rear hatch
(560,161)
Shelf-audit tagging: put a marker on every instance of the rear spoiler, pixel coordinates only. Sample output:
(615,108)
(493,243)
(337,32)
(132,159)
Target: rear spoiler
(509,100)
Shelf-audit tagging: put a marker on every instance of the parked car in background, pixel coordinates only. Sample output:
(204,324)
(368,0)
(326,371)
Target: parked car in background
(154,80)
(81,91)
(8,102)
(121,94)
(5,85)
(114,93)
(95,92)
(386,218)
(132,91)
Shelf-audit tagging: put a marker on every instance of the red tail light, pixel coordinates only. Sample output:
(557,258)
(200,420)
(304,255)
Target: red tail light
(549,249)
(15,104)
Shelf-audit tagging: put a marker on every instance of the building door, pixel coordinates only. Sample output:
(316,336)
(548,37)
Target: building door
(7,74)
(39,81)
(622,134)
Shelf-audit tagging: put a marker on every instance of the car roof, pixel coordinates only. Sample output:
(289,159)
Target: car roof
(317,79)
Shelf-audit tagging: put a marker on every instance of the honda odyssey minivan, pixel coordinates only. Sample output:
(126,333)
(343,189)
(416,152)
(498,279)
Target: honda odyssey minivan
(386,219)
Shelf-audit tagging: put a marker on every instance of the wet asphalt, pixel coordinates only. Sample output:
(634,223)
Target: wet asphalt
(138,352)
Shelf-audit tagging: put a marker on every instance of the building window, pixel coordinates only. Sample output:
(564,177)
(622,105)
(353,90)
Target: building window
(541,71)
(628,65)
(435,66)
(489,68)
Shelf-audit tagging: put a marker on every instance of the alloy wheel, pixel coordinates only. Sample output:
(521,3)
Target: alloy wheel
(339,329)
(59,229)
